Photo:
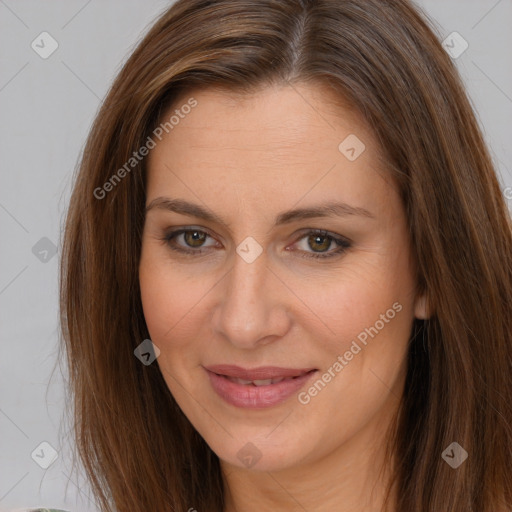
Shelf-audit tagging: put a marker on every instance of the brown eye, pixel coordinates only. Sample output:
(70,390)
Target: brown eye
(190,241)
(319,243)
(194,238)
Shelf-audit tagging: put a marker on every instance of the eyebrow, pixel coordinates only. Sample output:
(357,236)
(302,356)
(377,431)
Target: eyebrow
(329,209)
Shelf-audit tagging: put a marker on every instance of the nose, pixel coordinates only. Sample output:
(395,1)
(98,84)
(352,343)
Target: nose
(252,308)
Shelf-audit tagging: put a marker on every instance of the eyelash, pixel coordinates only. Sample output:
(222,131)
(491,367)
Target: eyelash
(343,243)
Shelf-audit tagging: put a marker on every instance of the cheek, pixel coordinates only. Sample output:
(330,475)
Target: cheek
(372,318)
(371,313)
(169,301)
(356,301)
(363,315)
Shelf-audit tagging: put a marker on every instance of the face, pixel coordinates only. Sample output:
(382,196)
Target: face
(246,275)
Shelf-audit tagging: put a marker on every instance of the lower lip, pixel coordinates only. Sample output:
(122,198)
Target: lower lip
(256,397)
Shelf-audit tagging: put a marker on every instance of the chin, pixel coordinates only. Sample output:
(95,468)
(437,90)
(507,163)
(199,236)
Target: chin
(260,453)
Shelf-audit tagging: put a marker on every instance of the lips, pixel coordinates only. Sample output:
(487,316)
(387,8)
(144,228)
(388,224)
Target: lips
(257,388)
(258,382)
(258,375)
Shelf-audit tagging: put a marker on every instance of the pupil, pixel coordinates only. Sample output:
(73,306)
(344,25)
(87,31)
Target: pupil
(194,238)
(316,239)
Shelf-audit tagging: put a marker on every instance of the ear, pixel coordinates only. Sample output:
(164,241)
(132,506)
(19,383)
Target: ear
(421,310)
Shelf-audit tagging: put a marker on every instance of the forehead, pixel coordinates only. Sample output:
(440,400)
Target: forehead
(279,116)
(280,136)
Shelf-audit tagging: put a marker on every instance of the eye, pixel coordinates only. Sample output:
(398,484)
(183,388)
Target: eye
(320,242)
(192,240)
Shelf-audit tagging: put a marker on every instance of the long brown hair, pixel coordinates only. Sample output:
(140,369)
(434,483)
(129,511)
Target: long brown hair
(139,450)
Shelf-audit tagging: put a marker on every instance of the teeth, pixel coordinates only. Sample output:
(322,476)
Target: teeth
(241,381)
(265,382)
(260,382)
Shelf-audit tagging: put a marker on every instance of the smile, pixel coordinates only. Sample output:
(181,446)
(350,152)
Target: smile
(257,388)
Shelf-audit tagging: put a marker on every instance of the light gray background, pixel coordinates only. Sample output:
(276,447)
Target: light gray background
(47,107)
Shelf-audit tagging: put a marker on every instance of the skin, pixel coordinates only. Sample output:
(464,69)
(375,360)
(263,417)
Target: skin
(247,159)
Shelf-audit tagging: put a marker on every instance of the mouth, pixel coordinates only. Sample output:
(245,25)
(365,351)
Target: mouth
(258,387)
(258,382)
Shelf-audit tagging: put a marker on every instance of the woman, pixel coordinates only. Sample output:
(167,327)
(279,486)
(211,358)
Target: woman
(287,270)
